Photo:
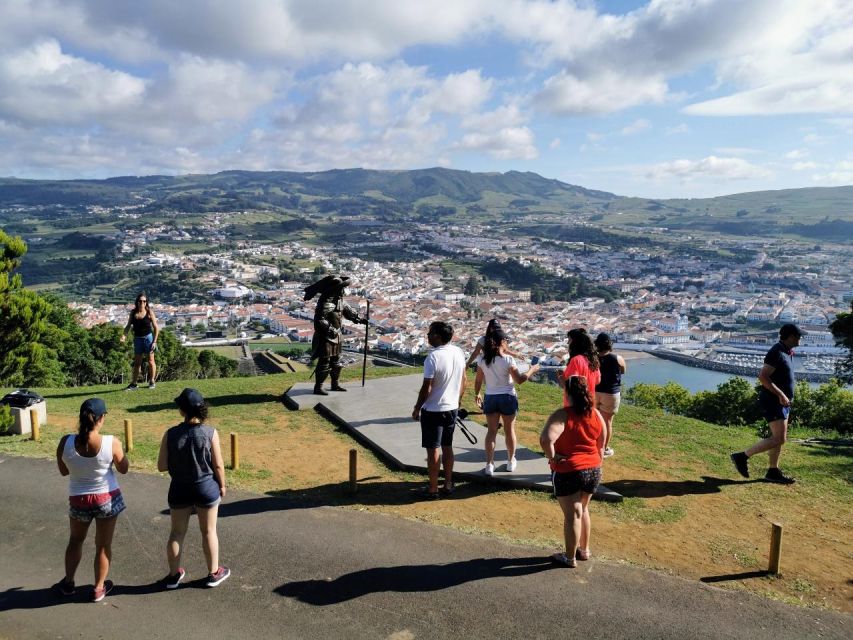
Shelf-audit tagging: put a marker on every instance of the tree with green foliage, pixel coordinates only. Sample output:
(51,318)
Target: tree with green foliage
(472,287)
(29,341)
(842,329)
(174,361)
(734,402)
(671,397)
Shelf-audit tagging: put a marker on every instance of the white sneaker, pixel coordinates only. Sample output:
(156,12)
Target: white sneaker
(490,469)
(608,452)
(511,464)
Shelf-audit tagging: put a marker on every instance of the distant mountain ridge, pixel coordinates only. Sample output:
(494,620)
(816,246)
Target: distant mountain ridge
(447,192)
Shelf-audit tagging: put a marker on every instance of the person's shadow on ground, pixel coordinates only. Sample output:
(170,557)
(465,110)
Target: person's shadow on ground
(410,578)
(20,598)
(661,488)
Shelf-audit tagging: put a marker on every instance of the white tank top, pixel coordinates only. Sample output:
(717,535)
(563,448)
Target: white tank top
(90,475)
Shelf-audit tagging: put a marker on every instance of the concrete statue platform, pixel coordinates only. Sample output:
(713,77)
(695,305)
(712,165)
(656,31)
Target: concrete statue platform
(379,415)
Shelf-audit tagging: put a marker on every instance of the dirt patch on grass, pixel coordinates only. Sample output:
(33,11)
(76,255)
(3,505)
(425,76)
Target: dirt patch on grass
(713,529)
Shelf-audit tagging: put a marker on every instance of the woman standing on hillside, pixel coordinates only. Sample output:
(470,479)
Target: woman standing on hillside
(608,392)
(573,442)
(498,370)
(191,454)
(93,494)
(145,332)
(583,360)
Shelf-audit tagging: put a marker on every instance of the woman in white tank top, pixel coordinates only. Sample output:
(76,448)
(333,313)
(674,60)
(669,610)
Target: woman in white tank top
(500,373)
(89,459)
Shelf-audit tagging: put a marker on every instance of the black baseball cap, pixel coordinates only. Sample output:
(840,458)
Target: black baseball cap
(95,406)
(190,398)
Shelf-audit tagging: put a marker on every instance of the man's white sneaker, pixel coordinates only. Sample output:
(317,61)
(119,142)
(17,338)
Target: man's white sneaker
(511,464)
(490,469)
(608,452)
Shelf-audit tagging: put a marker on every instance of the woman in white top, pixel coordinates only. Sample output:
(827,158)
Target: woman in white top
(93,493)
(498,370)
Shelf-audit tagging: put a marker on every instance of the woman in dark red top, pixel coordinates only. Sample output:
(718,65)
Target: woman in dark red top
(583,360)
(573,442)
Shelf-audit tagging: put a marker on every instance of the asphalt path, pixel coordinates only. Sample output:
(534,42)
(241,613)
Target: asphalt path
(320,572)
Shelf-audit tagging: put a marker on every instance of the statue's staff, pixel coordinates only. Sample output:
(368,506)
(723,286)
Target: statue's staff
(366,329)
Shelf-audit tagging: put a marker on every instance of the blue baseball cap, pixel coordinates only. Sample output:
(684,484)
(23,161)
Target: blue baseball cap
(190,398)
(95,406)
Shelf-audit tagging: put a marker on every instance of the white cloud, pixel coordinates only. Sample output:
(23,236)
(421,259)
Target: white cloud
(554,144)
(637,126)
(804,166)
(737,151)
(797,154)
(460,93)
(710,167)
(677,129)
(607,91)
(43,85)
(510,143)
(842,174)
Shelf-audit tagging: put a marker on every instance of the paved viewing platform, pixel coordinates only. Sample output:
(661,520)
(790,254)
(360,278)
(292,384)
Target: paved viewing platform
(379,415)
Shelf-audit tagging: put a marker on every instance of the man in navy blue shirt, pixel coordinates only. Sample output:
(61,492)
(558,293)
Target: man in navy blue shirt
(775,397)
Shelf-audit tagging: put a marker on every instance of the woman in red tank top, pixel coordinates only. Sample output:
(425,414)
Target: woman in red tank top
(573,442)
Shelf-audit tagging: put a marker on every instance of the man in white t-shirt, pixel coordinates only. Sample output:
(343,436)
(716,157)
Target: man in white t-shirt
(438,402)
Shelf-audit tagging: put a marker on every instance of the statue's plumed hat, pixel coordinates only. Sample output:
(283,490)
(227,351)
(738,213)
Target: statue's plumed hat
(329,283)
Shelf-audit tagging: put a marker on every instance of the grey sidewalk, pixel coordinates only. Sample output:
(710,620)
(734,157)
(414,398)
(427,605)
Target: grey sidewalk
(322,572)
(379,415)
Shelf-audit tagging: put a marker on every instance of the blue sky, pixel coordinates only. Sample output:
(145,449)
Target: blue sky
(669,98)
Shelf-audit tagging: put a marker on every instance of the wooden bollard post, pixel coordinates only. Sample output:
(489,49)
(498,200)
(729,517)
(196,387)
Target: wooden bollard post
(353,470)
(34,425)
(128,434)
(235,452)
(775,549)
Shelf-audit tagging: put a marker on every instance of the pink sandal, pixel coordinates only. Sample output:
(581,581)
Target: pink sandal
(583,554)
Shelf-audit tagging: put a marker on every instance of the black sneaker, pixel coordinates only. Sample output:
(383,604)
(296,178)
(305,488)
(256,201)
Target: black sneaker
(64,588)
(172,581)
(741,462)
(221,574)
(776,475)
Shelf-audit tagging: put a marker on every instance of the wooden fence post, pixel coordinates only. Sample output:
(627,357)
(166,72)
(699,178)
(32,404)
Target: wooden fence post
(235,452)
(35,425)
(775,549)
(128,434)
(353,470)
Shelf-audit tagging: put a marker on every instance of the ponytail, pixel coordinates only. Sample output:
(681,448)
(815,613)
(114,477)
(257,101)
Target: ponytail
(492,346)
(87,423)
(578,392)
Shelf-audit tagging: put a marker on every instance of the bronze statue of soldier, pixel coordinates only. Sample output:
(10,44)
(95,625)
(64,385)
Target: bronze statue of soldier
(326,345)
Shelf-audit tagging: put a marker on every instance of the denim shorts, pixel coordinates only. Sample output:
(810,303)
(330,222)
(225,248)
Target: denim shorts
(142,345)
(437,428)
(203,494)
(505,404)
(99,506)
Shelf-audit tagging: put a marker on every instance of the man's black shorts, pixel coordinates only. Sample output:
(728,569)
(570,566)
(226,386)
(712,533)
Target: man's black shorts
(771,408)
(437,428)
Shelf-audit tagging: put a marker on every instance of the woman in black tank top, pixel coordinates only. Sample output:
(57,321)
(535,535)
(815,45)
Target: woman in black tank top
(608,392)
(145,332)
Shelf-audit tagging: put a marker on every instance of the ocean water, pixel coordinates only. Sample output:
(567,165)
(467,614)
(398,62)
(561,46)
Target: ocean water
(650,370)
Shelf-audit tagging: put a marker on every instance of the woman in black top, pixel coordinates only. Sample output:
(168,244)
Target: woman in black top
(608,392)
(191,454)
(145,332)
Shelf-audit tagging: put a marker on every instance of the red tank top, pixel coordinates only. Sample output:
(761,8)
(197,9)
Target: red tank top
(579,442)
